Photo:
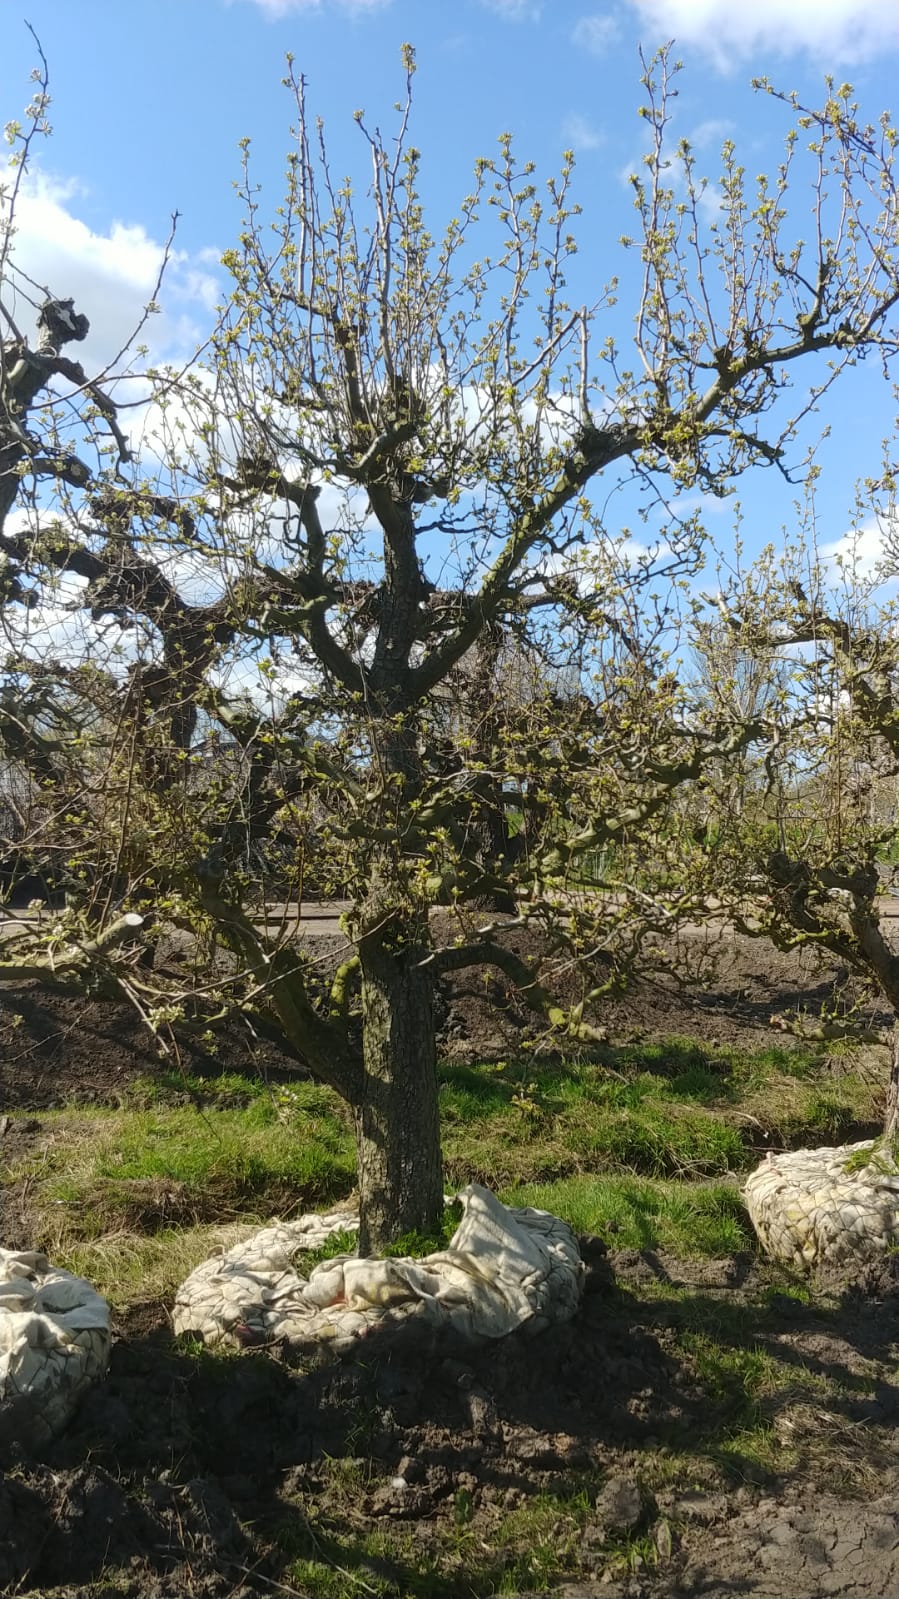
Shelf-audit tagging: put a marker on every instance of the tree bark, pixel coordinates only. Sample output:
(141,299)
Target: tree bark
(891,1116)
(397,1117)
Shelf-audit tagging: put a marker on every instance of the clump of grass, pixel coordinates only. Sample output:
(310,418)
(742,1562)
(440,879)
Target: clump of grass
(529,1547)
(680,1059)
(166,1087)
(248,1147)
(342,1242)
(540,1541)
(468,1093)
(632,1127)
(881,1159)
(764,1409)
(127,1268)
(115,1171)
(554,1123)
(666,1109)
(791,1110)
(687,1219)
(830,1113)
(414,1244)
(417,1244)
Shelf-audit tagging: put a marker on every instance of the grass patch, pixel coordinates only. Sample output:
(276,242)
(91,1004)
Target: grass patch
(530,1547)
(412,1244)
(149,1170)
(665,1109)
(555,1123)
(687,1219)
(792,1111)
(638,1144)
(129,1269)
(765,1410)
(683,1060)
(419,1244)
(226,1090)
(249,1150)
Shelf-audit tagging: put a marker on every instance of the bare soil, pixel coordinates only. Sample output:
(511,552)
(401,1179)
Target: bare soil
(57,1049)
(202,1478)
(196,1477)
(712,984)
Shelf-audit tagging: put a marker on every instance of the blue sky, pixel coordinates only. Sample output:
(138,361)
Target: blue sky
(152,96)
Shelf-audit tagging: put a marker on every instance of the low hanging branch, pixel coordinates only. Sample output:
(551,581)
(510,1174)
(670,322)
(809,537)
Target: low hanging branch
(68,964)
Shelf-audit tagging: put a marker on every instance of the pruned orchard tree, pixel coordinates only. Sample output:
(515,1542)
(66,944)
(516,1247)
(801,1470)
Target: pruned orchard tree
(806,862)
(388,479)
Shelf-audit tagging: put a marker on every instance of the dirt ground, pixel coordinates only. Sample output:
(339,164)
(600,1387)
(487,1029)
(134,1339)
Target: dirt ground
(193,1476)
(58,1049)
(188,1477)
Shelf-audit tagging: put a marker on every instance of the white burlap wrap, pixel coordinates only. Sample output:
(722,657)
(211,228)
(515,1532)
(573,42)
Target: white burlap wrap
(826,1207)
(54,1342)
(502,1270)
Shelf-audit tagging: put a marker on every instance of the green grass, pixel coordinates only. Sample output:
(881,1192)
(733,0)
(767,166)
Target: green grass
(250,1149)
(530,1547)
(647,1144)
(768,1410)
(555,1123)
(130,1268)
(687,1219)
(408,1244)
(664,1109)
(140,1171)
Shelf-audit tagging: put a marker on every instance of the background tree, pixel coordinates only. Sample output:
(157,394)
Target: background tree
(385,469)
(806,862)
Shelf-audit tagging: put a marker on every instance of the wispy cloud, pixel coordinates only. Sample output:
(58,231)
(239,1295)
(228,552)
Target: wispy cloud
(710,135)
(866,553)
(837,31)
(596,33)
(284,8)
(515,10)
(580,133)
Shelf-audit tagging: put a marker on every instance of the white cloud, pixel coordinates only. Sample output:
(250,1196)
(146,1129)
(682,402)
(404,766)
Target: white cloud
(839,31)
(866,553)
(110,274)
(708,195)
(581,134)
(55,626)
(596,33)
(266,684)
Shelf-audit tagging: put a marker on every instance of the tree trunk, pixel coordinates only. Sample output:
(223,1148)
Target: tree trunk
(891,1118)
(397,1117)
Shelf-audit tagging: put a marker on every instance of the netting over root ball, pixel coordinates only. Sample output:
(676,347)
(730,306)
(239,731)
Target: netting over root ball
(827,1207)
(54,1342)
(502,1270)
